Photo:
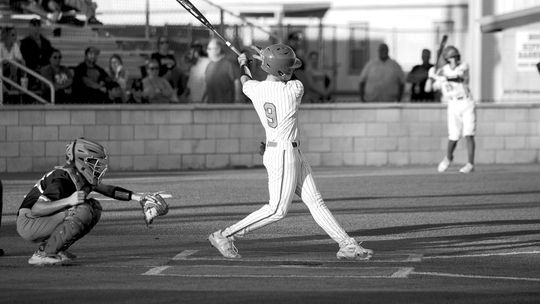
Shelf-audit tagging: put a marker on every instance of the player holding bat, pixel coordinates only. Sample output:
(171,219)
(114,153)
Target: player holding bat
(276,101)
(57,211)
(452,79)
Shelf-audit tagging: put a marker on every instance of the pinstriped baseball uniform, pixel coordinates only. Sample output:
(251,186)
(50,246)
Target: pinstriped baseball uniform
(289,173)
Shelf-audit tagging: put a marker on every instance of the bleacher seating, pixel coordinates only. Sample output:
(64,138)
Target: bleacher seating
(73,40)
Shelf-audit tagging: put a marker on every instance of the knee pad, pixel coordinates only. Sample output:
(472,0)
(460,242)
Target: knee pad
(78,222)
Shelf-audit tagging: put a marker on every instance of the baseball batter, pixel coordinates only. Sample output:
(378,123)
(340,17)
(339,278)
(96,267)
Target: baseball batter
(57,212)
(453,82)
(276,101)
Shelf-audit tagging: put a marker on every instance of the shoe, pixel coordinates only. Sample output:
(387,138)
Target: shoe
(354,252)
(468,168)
(40,258)
(66,256)
(443,165)
(94,21)
(224,244)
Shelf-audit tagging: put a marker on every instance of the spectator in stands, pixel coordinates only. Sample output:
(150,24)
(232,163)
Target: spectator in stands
(417,79)
(316,82)
(168,68)
(64,11)
(156,89)
(90,80)
(297,42)
(198,61)
(382,79)
(31,6)
(36,51)
(222,76)
(119,75)
(10,49)
(61,77)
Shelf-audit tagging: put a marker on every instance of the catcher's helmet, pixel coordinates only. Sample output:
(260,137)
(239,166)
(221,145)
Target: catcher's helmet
(279,60)
(89,157)
(450,51)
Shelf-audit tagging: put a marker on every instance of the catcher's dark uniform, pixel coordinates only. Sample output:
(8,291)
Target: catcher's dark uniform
(59,230)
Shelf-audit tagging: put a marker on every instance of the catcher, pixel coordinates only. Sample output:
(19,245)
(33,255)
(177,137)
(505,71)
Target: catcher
(57,211)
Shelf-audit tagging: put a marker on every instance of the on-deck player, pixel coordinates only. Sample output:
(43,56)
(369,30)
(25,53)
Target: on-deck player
(276,101)
(453,81)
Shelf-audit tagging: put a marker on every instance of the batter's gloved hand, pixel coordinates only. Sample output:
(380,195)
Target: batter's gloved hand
(262,148)
(259,52)
(153,205)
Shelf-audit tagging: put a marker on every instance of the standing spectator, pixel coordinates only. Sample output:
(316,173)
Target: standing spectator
(156,89)
(222,76)
(90,80)
(10,49)
(168,68)
(60,76)
(35,48)
(196,84)
(453,81)
(316,82)
(418,77)
(119,74)
(382,79)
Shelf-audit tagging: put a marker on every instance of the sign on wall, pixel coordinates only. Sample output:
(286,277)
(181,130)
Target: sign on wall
(527,50)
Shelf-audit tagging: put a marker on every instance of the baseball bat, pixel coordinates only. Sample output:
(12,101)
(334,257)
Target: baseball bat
(429,83)
(197,14)
(442,45)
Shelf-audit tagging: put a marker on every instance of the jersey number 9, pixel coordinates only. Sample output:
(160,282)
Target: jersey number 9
(271,116)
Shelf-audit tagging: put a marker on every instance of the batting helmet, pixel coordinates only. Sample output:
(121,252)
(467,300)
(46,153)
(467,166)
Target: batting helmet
(450,51)
(89,157)
(279,60)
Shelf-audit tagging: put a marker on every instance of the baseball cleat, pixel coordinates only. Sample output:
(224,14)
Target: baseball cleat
(443,165)
(468,168)
(224,244)
(354,252)
(41,258)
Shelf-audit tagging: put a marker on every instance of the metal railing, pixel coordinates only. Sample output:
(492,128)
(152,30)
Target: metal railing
(23,89)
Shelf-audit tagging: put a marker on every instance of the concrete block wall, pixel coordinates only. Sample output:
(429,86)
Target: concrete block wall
(183,137)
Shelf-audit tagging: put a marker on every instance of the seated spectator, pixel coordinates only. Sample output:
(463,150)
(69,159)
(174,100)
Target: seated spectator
(9,49)
(156,89)
(196,84)
(168,68)
(60,76)
(90,80)
(36,50)
(118,74)
(62,11)
(136,92)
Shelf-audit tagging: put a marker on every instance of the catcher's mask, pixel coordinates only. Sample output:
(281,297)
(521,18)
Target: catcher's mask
(451,52)
(89,157)
(279,60)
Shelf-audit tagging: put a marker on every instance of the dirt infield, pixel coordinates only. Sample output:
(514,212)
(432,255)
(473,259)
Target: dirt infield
(438,238)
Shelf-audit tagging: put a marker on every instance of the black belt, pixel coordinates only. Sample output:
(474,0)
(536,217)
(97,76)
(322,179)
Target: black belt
(274,144)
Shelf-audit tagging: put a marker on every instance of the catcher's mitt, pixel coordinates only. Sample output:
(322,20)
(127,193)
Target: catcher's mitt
(153,205)
(262,148)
